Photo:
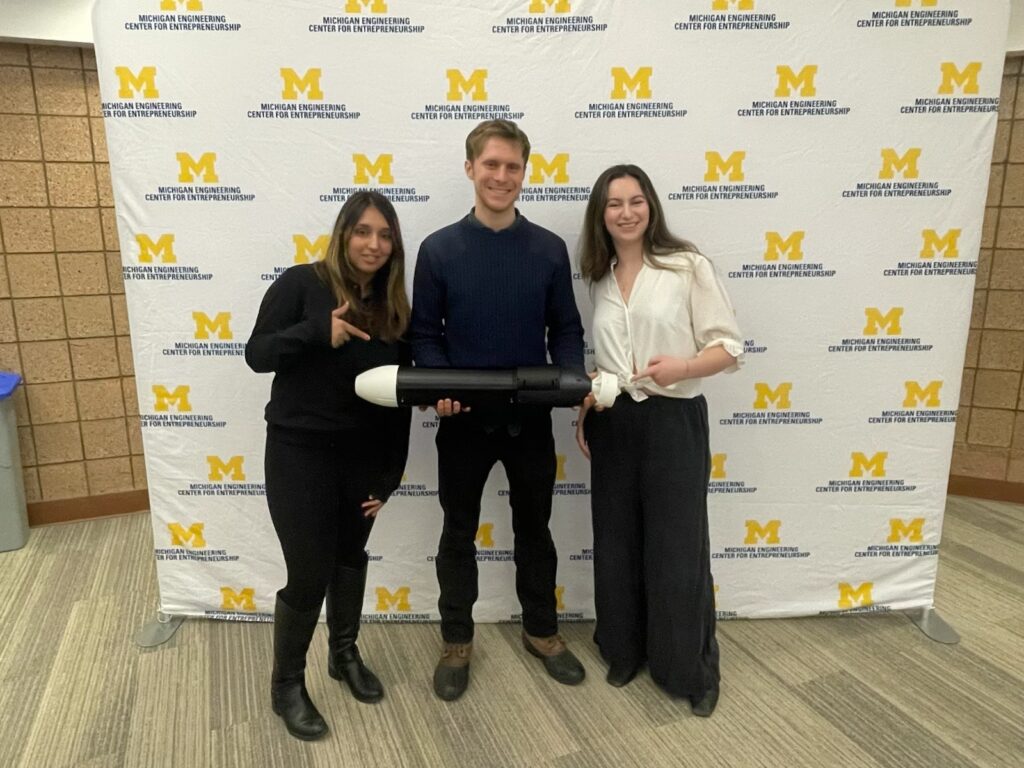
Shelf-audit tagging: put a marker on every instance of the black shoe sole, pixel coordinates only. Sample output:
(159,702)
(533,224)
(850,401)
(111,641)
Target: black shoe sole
(302,736)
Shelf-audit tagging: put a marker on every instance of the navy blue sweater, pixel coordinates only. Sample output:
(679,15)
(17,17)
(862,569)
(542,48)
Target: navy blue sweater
(486,299)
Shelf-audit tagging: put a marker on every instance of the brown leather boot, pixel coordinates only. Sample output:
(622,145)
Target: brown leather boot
(558,660)
(451,676)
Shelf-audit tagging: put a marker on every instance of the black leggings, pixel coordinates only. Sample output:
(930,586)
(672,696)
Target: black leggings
(315,486)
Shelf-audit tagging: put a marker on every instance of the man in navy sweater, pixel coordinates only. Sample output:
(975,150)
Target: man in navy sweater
(494,290)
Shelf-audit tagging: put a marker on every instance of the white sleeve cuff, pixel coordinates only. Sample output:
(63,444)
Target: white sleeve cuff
(734,348)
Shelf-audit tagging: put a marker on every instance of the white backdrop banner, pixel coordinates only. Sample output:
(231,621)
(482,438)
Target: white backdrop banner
(830,158)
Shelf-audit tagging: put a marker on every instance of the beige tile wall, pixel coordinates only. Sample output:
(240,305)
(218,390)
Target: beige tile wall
(63,322)
(990,426)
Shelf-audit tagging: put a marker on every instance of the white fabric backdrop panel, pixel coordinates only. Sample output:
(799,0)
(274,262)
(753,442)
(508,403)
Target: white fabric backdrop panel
(830,158)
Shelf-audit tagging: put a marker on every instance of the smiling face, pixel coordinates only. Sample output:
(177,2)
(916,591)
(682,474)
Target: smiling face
(497,174)
(369,244)
(626,214)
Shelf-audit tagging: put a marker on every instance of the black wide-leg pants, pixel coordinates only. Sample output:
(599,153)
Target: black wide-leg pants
(466,452)
(315,487)
(654,593)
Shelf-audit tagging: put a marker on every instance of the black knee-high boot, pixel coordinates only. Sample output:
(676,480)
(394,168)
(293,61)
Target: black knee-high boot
(292,632)
(344,606)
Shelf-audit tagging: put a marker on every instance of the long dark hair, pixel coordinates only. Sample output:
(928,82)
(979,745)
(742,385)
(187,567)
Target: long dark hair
(596,246)
(385,311)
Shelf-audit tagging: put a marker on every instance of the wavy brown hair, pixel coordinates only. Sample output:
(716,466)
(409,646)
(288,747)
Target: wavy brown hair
(596,246)
(385,311)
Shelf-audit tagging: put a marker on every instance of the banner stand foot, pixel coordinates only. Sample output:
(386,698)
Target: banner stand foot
(158,631)
(933,625)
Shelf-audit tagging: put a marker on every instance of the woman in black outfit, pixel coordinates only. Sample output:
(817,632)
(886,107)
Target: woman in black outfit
(332,459)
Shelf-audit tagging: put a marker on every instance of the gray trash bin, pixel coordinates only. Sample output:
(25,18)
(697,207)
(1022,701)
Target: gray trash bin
(13,514)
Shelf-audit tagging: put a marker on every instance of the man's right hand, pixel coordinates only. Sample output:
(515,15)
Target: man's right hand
(448,407)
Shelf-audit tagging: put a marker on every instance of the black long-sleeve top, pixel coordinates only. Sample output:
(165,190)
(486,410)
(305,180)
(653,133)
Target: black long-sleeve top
(313,392)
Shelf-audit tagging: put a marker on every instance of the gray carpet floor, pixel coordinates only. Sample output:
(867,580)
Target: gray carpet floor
(854,691)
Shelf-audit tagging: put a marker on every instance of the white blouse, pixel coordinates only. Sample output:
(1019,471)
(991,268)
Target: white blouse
(678,311)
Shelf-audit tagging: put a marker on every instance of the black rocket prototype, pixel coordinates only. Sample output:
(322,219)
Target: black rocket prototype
(551,385)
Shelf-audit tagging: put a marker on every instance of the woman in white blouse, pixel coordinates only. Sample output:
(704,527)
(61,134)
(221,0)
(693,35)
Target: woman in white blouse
(662,323)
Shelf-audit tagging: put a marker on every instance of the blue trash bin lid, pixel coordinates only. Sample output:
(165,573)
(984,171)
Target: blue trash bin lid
(8,383)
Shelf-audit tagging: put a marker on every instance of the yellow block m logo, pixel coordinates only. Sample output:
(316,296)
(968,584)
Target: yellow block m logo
(220,325)
(876,464)
(906,530)
(776,244)
(162,248)
(966,78)
(189,168)
(875,321)
(788,80)
(485,535)
(164,398)
(184,537)
(932,241)
(717,166)
(172,5)
(307,251)
(475,85)
(233,468)
(905,164)
(908,3)
(849,596)
(556,169)
(723,5)
(237,601)
(380,169)
(718,466)
(916,394)
(397,600)
(764,394)
(560,466)
(308,83)
(559,594)
(639,84)
(558,6)
(768,533)
(131,83)
(375,6)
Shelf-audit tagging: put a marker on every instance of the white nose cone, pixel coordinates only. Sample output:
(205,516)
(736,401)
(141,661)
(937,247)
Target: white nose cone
(379,385)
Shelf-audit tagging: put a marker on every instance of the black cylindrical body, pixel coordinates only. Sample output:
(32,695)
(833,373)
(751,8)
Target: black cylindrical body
(547,385)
